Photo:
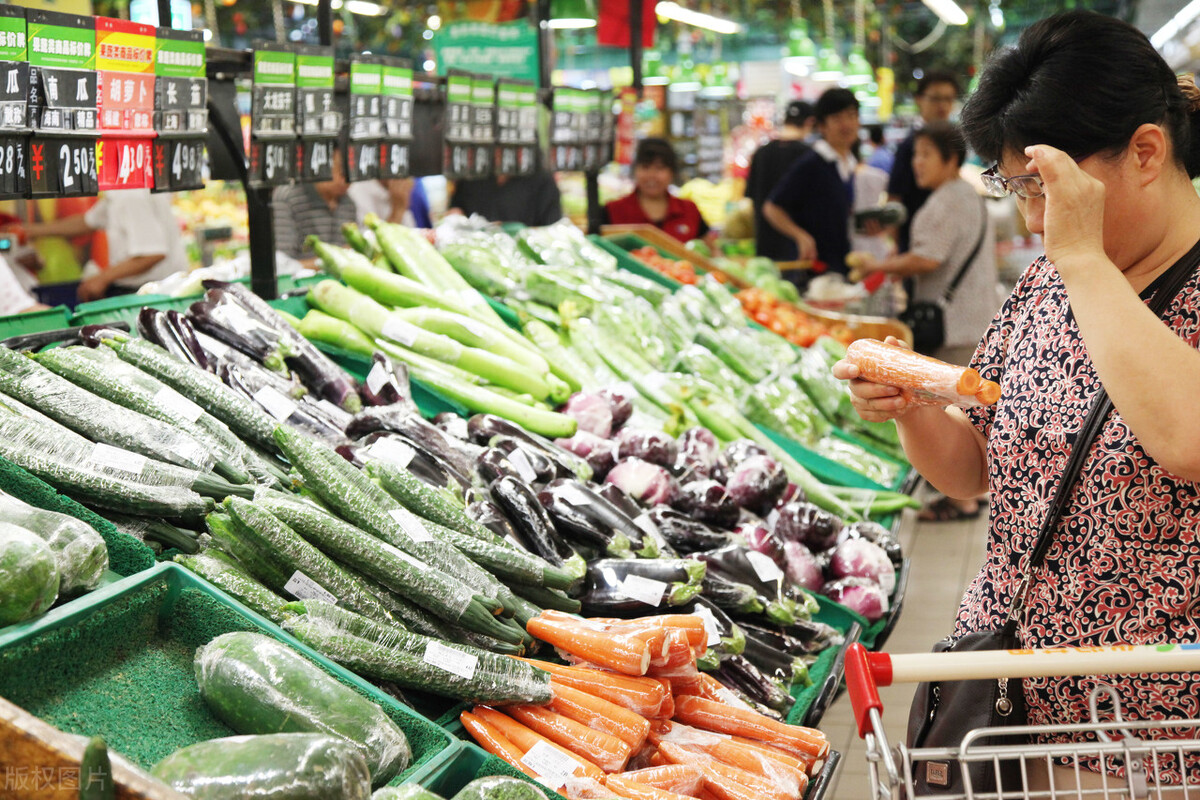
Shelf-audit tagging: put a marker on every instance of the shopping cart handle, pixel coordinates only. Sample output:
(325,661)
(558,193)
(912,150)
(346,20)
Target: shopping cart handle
(864,673)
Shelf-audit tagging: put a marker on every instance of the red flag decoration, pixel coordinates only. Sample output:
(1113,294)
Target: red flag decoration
(612,29)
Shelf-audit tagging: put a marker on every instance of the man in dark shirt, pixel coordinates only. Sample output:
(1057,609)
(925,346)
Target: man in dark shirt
(770,163)
(532,200)
(937,92)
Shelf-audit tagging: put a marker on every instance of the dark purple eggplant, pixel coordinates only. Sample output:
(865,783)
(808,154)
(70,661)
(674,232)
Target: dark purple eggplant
(733,455)
(458,453)
(531,465)
(251,382)
(648,484)
(571,522)
(740,564)
(600,454)
(615,495)
(482,428)
(740,672)
(732,638)
(423,464)
(621,403)
(185,334)
(89,335)
(667,570)
(625,504)
(592,413)
(382,386)
(758,537)
(730,595)
(757,484)
(489,515)
(655,447)
(228,322)
(608,515)
(707,501)
(803,638)
(685,534)
(698,451)
(152,325)
(607,594)
(813,527)
(773,662)
(532,524)
(876,534)
(493,464)
(351,452)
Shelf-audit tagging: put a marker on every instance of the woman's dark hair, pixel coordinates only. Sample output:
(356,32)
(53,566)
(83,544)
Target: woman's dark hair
(834,101)
(1080,82)
(947,138)
(655,150)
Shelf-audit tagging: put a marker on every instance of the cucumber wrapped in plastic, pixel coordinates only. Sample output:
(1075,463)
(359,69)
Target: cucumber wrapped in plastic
(28,575)
(79,551)
(499,787)
(409,791)
(281,766)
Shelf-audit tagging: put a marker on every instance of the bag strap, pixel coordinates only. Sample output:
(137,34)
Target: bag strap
(1171,282)
(948,295)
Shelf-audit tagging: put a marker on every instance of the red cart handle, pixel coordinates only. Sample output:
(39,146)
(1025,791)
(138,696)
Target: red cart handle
(864,672)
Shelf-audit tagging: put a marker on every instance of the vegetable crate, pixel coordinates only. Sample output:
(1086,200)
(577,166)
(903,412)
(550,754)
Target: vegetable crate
(125,308)
(469,763)
(119,663)
(34,322)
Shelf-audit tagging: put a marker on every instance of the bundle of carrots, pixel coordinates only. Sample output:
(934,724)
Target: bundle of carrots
(922,380)
(682,271)
(633,718)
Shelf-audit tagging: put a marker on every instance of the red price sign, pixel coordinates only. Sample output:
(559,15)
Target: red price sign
(126,164)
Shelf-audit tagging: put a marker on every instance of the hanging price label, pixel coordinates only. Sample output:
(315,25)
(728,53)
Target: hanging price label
(376,378)
(711,629)
(552,766)
(398,330)
(272,163)
(521,464)
(394,159)
(178,164)
(62,167)
(14,172)
(317,155)
(362,161)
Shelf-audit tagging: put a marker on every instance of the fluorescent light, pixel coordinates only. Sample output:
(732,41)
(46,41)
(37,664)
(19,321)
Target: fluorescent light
(429,66)
(364,8)
(947,11)
(207,35)
(570,23)
(1176,24)
(434,22)
(674,11)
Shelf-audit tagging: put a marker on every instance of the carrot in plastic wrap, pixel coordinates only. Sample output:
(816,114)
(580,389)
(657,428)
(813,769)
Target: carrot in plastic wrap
(490,739)
(691,624)
(632,790)
(598,713)
(805,765)
(602,749)
(721,718)
(626,653)
(921,379)
(787,779)
(526,739)
(725,781)
(679,778)
(644,696)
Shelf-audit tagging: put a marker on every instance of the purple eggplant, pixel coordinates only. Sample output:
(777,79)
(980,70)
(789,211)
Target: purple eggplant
(572,522)
(420,462)
(655,447)
(774,662)
(646,483)
(615,495)
(733,455)
(152,325)
(231,324)
(493,464)
(386,383)
(877,534)
(92,335)
(708,502)
(759,537)
(738,672)
(732,596)
(801,566)
(698,451)
(592,412)
(258,384)
(600,454)
(861,595)
(803,638)
(858,558)
(607,594)
(686,534)
(757,483)
(607,515)
(533,526)
(489,515)
(620,402)
(806,524)
(458,453)
(743,565)
(531,465)
(185,334)
(482,428)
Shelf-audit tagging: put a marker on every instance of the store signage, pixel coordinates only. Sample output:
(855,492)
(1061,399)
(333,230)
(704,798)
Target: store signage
(180,110)
(396,96)
(503,50)
(125,84)
(14,100)
(516,128)
(273,144)
(317,120)
(483,125)
(365,126)
(566,152)
(459,130)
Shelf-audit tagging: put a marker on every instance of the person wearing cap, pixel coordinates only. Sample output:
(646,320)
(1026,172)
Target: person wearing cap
(655,168)
(770,163)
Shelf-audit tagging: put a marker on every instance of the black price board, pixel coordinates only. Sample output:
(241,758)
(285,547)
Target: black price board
(14,95)
(395,159)
(274,149)
(483,126)
(62,166)
(178,164)
(316,160)
(316,114)
(460,134)
(516,128)
(14,172)
(180,88)
(566,130)
(366,102)
(272,161)
(362,160)
(397,98)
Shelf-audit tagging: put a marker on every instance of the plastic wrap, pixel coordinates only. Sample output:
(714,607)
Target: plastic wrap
(28,575)
(408,791)
(79,551)
(787,779)
(256,684)
(223,572)
(499,787)
(9,405)
(295,766)
(390,653)
(96,418)
(563,243)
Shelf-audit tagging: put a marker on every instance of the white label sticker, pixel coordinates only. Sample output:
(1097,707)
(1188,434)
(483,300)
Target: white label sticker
(241,324)
(212,346)
(391,451)
(710,624)
(648,527)
(376,378)
(411,525)
(575,496)
(177,404)
(552,766)
(764,566)
(277,404)
(644,590)
(456,662)
(521,464)
(115,458)
(330,408)
(403,556)
(302,587)
(400,331)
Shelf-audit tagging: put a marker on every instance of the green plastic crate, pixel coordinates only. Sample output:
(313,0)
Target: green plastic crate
(621,246)
(471,762)
(50,319)
(119,664)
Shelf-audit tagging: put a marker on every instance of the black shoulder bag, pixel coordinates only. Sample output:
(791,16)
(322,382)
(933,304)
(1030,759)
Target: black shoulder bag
(927,319)
(943,713)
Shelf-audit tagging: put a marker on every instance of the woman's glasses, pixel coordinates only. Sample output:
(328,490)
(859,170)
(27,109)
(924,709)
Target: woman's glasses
(1023,186)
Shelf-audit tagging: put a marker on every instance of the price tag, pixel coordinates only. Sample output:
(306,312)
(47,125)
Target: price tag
(302,587)
(648,527)
(398,454)
(456,662)
(764,566)
(394,159)
(178,164)
(400,331)
(376,378)
(362,160)
(214,347)
(317,159)
(644,590)
(521,464)
(177,404)
(115,458)
(14,173)
(552,766)
(332,409)
(411,525)
(575,496)
(63,167)
(730,699)
(273,162)
(277,404)
(710,624)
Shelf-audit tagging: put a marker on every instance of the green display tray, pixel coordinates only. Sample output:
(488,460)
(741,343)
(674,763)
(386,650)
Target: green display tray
(826,675)
(51,319)
(469,763)
(119,663)
(621,246)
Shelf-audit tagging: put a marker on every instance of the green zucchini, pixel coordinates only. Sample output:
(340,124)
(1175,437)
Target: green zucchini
(281,766)
(28,575)
(499,787)
(223,572)
(79,551)
(418,662)
(256,684)
(96,772)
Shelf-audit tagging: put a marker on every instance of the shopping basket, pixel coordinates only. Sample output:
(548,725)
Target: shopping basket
(1137,746)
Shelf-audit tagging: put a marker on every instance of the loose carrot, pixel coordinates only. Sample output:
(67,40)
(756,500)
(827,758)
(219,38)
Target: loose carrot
(638,791)
(525,739)
(492,740)
(659,760)
(679,778)
(602,749)
(644,696)
(721,718)
(600,714)
(725,781)
(692,684)
(925,377)
(621,652)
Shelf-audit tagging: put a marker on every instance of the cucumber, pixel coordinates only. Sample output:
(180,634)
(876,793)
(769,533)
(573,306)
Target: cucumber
(548,598)
(298,556)
(260,564)
(28,575)
(10,406)
(155,531)
(96,773)
(411,660)
(408,791)
(424,500)
(79,551)
(223,572)
(281,766)
(256,684)
(499,787)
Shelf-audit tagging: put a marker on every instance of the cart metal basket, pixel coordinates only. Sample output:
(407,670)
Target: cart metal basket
(1135,750)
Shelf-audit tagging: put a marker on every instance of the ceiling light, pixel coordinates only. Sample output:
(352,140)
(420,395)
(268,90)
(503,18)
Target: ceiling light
(364,8)
(434,22)
(1176,24)
(801,51)
(429,65)
(947,11)
(672,10)
(829,64)
(858,69)
(572,14)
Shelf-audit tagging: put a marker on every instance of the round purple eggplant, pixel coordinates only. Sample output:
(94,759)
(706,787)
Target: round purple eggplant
(708,502)
(620,402)
(652,446)
(601,454)
(806,524)
(592,412)
(757,483)
(647,483)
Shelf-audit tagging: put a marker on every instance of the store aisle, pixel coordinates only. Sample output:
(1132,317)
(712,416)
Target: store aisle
(945,557)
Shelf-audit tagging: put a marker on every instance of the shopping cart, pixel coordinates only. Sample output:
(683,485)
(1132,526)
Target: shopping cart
(1136,746)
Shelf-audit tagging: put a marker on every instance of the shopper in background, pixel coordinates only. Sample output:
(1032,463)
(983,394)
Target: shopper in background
(1085,122)
(13,297)
(811,205)
(881,156)
(937,92)
(529,200)
(317,209)
(655,169)
(770,163)
(398,200)
(144,240)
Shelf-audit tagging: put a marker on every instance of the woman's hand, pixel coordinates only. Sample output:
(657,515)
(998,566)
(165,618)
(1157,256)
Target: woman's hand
(1073,219)
(874,402)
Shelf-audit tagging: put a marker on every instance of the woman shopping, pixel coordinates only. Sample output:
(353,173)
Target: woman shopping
(1086,124)
(655,168)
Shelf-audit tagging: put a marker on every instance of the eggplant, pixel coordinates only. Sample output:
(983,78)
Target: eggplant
(805,637)
(487,514)
(531,465)
(655,447)
(730,595)
(642,519)
(707,501)
(493,465)
(600,454)
(774,662)
(458,453)
(757,483)
(453,425)
(230,323)
(250,383)
(152,325)
(737,671)
(255,376)
(352,453)
(623,502)
(807,524)
(482,428)
(876,534)
(607,515)
(698,451)
(533,526)
(326,410)
(387,383)
(607,594)
(755,569)
(573,523)
(89,335)
(685,534)
(621,403)
(733,640)
(185,334)
(423,464)
(667,570)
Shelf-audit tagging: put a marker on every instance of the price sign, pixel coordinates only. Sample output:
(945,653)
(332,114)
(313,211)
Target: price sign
(566,152)
(63,166)
(516,128)
(366,103)
(180,88)
(178,164)
(362,161)
(273,146)
(125,163)
(14,69)
(315,112)
(316,159)
(397,99)
(14,171)
(62,80)
(394,159)
(272,162)
(459,127)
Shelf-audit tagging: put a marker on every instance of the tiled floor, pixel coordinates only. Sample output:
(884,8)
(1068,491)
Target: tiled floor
(945,557)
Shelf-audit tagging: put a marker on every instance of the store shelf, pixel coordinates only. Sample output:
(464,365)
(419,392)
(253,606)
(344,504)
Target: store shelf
(119,663)
(469,763)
